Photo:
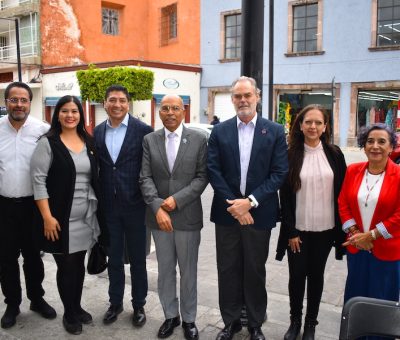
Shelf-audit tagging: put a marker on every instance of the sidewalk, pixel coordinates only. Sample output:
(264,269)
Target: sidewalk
(30,326)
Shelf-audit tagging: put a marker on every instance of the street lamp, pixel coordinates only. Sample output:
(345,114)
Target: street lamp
(16,21)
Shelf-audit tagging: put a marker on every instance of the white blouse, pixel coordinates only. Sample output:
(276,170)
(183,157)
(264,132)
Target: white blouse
(368,197)
(315,199)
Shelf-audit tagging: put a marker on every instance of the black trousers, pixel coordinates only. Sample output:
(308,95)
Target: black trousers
(242,252)
(308,265)
(70,277)
(16,237)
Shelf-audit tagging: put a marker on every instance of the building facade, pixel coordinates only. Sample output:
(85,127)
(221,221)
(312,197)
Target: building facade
(343,55)
(68,35)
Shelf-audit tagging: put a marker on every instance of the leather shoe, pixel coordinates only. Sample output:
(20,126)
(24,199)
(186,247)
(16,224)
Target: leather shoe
(139,317)
(112,313)
(9,318)
(229,331)
(83,316)
(43,308)
(72,325)
(190,330)
(256,333)
(167,328)
(294,328)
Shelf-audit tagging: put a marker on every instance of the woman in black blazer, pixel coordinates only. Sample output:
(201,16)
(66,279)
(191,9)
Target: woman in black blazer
(310,223)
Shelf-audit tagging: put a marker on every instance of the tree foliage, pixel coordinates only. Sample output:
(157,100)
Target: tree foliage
(93,82)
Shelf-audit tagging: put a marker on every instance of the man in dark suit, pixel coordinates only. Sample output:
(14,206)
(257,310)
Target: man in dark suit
(173,176)
(119,147)
(247,163)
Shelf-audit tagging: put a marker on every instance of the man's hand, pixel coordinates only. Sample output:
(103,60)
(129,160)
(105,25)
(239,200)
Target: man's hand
(169,204)
(239,207)
(246,219)
(164,220)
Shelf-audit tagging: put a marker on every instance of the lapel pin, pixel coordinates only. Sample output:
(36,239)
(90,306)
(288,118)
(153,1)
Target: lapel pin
(91,152)
(184,140)
(264,131)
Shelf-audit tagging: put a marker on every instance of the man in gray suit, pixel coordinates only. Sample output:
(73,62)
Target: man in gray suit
(172,179)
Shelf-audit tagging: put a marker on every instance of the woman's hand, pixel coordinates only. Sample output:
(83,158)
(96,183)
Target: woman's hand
(294,244)
(361,241)
(51,228)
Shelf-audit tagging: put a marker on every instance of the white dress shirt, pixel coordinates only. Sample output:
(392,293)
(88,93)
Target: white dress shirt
(245,136)
(177,137)
(16,149)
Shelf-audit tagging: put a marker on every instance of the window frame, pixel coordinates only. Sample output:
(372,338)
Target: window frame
(296,3)
(169,24)
(374,31)
(111,23)
(223,37)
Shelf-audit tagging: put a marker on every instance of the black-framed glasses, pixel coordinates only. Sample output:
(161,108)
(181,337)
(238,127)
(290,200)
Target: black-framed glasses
(16,100)
(174,108)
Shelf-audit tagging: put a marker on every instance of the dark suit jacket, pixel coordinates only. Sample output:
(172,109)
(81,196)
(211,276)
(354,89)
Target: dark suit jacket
(267,170)
(120,181)
(185,183)
(288,205)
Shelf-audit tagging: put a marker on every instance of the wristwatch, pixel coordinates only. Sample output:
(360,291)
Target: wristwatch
(252,203)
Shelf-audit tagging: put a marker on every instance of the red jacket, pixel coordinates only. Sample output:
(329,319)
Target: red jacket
(387,209)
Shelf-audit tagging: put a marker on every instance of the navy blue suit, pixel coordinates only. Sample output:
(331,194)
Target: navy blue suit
(124,210)
(243,250)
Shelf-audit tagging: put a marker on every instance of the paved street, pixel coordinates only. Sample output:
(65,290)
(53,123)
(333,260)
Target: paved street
(95,298)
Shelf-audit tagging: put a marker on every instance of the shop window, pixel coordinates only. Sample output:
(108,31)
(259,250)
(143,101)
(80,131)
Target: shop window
(110,21)
(378,107)
(388,23)
(232,35)
(169,24)
(290,103)
(305,28)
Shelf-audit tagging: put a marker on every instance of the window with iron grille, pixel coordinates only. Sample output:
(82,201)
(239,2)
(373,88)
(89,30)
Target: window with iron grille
(110,21)
(232,32)
(388,23)
(169,24)
(305,28)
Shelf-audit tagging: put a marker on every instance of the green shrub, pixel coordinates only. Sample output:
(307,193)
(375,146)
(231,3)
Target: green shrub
(93,82)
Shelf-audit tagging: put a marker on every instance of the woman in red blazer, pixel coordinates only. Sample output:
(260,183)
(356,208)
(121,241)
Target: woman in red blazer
(369,206)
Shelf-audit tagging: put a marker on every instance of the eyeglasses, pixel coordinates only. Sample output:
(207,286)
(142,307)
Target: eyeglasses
(174,108)
(16,100)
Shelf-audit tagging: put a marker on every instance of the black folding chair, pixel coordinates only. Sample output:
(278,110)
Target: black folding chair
(364,316)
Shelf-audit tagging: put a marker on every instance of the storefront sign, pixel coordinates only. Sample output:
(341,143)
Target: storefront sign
(64,87)
(171,83)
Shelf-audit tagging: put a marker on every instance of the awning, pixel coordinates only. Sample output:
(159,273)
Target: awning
(158,97)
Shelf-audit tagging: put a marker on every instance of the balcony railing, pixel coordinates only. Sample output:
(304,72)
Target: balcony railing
(28,43)
(5,4)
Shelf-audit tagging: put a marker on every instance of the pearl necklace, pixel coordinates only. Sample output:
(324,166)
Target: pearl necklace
(372,188)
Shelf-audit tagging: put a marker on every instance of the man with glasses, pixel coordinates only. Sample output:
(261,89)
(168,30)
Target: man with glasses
(247,164)
(172,179)
(19,133)
(119,146)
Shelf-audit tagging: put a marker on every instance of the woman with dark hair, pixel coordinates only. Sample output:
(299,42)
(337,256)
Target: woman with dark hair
(64,175)
(310,223)
(370,210)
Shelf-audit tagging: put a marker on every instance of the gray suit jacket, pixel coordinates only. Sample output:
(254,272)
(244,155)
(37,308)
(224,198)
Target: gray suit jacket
(185,183)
